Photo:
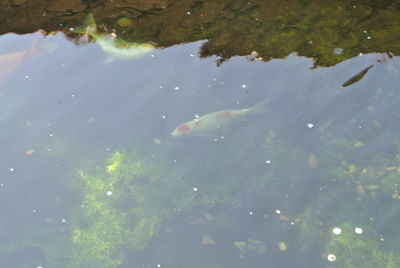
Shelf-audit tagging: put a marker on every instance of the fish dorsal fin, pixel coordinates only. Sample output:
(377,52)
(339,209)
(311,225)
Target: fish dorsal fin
(89,26)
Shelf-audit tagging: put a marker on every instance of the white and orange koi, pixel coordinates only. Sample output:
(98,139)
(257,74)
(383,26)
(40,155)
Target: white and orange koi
(216,121)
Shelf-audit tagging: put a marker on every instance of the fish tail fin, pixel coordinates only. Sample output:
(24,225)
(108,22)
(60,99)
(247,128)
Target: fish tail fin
(89,26)
(260,107)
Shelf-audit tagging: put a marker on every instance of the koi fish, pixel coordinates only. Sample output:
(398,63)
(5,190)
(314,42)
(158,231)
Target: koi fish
(9,62)
(115,47)
(216,121)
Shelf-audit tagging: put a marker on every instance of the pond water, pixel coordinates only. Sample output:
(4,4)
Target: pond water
(280,165)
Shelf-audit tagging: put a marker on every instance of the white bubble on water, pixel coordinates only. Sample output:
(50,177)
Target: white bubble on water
(336,231)
(331,257)
(358,230)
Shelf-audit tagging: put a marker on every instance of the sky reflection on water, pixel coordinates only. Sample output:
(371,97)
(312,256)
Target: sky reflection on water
(274,173)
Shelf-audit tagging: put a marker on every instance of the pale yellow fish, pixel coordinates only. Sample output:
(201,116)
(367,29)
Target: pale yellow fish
(219,120)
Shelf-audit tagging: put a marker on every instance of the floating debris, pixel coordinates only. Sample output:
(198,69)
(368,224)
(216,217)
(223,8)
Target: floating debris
(282,246)
(30,152)
(207,240)
(157,141)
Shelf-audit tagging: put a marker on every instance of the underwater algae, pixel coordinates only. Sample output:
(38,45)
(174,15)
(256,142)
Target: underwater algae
(358,247)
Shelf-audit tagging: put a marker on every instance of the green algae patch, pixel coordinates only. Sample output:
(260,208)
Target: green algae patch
(358,247)
(121,209)
(124,22)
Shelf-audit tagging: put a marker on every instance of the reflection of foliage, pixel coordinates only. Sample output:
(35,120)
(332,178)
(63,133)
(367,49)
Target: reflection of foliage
(330,32)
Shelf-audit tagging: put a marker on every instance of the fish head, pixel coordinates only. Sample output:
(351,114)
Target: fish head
(182,130)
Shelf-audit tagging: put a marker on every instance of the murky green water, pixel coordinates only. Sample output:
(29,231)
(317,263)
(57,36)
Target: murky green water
(116,154)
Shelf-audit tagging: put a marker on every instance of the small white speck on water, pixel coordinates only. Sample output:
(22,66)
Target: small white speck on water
(163,117)
(107,149)
(26,76)
(72,95)
(215,139)
(40,266)
(331,258)
(222,137)
(109,193)
(176,88)
(310,125)
(195,189)
(175,161)
(71,29)
(51,134)
(33,210)
(158,265)
(191,55)
(63,220)
(268,161)
(11,169)
(243,86)
(358,230)
(250,212)
(336,231)
(278,211)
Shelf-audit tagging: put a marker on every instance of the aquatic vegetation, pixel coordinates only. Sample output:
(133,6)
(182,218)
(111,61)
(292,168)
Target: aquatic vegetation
(121,208)
(250,245)
(357,246)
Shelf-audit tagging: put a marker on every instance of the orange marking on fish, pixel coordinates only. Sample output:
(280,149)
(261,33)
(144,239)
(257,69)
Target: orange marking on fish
(223,115)
(184,128)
